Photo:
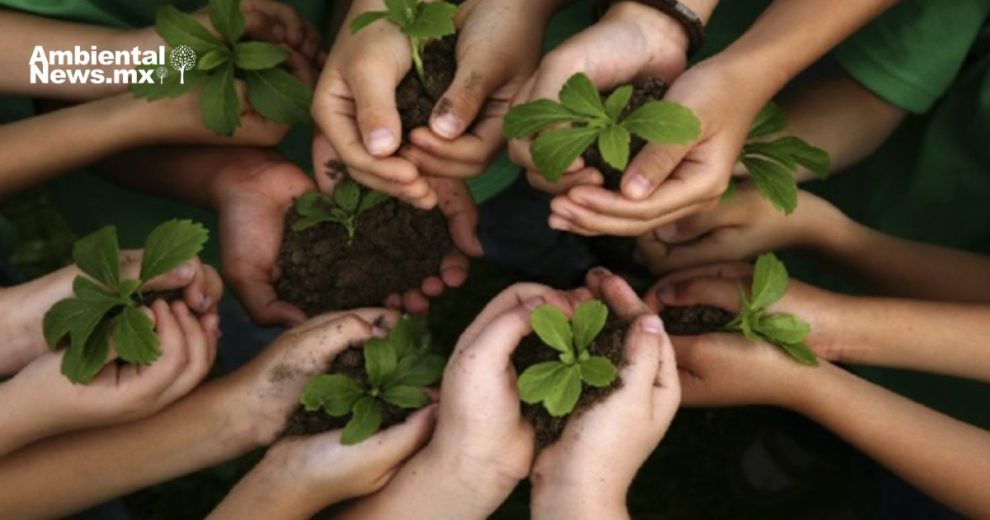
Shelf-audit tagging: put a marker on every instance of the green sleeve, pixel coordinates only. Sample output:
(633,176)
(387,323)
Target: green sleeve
(910,55)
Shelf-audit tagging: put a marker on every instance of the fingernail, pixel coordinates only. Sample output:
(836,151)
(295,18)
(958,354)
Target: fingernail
(379,141)
(666,294)
(204,303)
(601,271)
(447,125)
(559,224)
(533,303)
(379,331)
(652,324)
(666,233)
(185,271)
(637,187)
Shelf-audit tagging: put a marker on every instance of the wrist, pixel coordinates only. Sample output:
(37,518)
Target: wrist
(597,500)
(662,32)
(477,487)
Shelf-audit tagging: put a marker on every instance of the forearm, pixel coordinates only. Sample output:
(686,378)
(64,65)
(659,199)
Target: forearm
(943,457)
(261,494)
(24,34)
(97,465)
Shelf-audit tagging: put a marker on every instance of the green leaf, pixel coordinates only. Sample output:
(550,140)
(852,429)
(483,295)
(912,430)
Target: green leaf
(587,321)
(783,328)
(729,194)
(335,393)
(814,159)
(128,287)
(347,195)
(800,352)
(178,28)
(598,371)
(170,245)
(405,396)
(168,86)
(75,317)
(99,256)
(365,19)
(613,143)
(379,360)
(86,289)
(259,55)
(579,95)
(617,102)
(219,103)
(526,119)
(365,422)
(664,122)
(372,199)
(134,337)
(402,11)
(769,282)
(419,371)
(433,20)
(279,96)
(305,223)
(81,362)
(770,120)
(410,333)
(535,382)
(564,392)
(554,150)
(228,19)
(213,59)
(551,325)
(311,204)
(774,181)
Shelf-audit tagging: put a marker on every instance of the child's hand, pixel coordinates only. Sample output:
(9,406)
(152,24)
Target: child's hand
(718,285)
(740,229)
(24,306)
(587,473)
(42,402)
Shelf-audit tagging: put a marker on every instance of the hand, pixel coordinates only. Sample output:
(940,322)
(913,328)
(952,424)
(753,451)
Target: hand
(718,285)
(25,305)
(299,477)
(45,403)
(586,473)
(252,199)
(740,229)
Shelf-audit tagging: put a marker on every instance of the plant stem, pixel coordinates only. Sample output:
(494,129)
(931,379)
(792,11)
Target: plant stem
(418,60)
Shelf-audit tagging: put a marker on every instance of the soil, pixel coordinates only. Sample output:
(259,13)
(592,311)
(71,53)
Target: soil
(531,351)
(149,297)
(694,320)
(396,246)
(349,363)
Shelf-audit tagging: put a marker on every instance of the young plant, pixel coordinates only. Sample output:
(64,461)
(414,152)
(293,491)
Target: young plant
(784,330)
(773,164)
(272,91)
(421,22)
(344,207)
(589,119)
(104,305)
(397,369)
(557,384)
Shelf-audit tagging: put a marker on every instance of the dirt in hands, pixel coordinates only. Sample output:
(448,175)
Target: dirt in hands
(694,320)
(416,99)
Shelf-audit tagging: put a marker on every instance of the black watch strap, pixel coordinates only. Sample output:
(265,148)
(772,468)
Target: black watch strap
(684,15)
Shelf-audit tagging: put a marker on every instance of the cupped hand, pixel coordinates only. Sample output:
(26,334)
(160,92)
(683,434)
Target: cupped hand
(739,229)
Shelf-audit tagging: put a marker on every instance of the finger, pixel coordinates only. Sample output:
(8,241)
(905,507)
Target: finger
(710,250)
(177,278)
(414,302)
(437,167)
(373,87)
(716,292)
(584,176)
(454,270)
(478,145)
(198,347)
(642,354)
(378,318)
(557,223)
(211,324)
(332,170)
(495,342)
(433,287)
(528,294)
(617,293)
(174,346)
(462,216)
(213,287)
(417,193)
(694,226)
(581,217)
(301,66)
(313,348)
(286,16)
(650,168)
(667,386)
(463,100)
(195,294)
(392,446)
(260,25)
(262,302)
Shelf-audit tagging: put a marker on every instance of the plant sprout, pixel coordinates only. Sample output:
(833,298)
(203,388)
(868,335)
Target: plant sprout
(344,207)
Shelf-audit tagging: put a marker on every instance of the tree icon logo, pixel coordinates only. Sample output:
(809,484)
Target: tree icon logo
(162,73)
(182,58)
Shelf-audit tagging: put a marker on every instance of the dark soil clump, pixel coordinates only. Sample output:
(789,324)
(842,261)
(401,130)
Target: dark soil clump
(149,297)
(414,100)
(349,363)
(694,320)
(531,351)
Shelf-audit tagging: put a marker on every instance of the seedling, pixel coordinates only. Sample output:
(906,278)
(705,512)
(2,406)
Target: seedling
(773,164)
(557,384)
(104,307)
(421,22)
(272,91)
(589,119)
(347,203)
(397,369)
(784,330)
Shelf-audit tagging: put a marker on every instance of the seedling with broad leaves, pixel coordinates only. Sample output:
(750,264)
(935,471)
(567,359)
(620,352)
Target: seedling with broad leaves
(271,90)
(347,203)
(753,321)
(104,307)
(397,369)
(588,119)
(772,164)
(557,384)
(421,22)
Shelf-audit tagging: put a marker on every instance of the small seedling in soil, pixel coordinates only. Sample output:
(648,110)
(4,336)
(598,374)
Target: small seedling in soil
(421,22)
(590,119)
(272,90)
(348,203)
(769,285)
(106,307)
(391,386)
(569,366)
(773,164)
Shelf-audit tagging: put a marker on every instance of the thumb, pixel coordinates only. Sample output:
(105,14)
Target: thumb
(650,168)
(401,441)
(378,119)
(462,102)
(462,215)
(716,292)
